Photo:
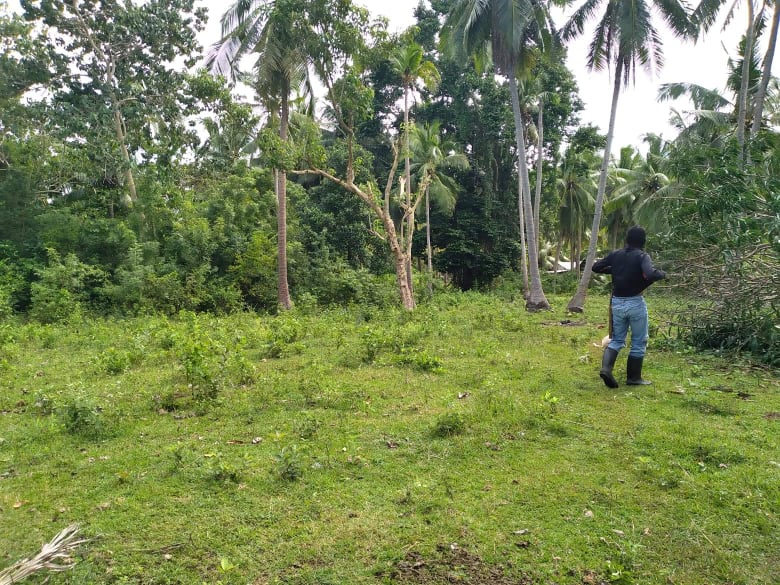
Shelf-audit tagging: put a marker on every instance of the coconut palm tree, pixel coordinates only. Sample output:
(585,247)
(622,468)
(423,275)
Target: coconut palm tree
(510,32)
(269,30)
(625,36)
(575,186)
(704,17)
(712,118)
(409,62)
(638,188)
(434,156)
(766,73)
(715,115)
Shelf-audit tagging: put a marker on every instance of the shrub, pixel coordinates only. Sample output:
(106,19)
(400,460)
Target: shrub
(63,286)
(420,360)
(288,465)
(52,305)
(114,361)
(221,470)
(732,328)
(449,424)
(203,360)
(80,416)
(285,330)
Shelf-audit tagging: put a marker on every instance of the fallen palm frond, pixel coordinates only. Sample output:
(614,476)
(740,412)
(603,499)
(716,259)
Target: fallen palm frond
(54,556)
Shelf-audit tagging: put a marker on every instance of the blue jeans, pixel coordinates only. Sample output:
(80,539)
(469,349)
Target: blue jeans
(629,312)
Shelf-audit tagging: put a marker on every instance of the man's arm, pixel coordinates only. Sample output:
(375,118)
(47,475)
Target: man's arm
(603,266)
(650,272)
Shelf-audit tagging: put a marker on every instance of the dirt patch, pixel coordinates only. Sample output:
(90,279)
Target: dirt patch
(772,416)
(453,564)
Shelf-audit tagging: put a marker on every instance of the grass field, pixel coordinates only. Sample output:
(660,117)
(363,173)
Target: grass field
(468,442)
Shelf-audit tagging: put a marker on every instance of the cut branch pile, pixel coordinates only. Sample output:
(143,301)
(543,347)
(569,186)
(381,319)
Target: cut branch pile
(54,556)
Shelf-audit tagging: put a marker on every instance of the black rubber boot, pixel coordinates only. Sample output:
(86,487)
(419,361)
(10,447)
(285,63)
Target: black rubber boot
(634,372)
(607,363)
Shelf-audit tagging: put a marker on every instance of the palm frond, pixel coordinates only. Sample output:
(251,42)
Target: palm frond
(600,49)
(222,56)
(705,15)
(678,17)
(575,26)
(55,555)
(238,14)
(702,97)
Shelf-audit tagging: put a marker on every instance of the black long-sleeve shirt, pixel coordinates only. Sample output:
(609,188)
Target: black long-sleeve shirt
(632,271)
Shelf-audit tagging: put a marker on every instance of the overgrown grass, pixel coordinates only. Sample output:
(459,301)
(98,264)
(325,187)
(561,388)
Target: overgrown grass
(360,446)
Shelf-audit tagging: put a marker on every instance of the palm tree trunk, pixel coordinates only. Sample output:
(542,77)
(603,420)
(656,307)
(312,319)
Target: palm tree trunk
(523,243)
(578,250)
(539,162)
(573,255)
(408,177)
(536,299)
(766,73)
(281,215)
(577,302)
(557,259)
(745,83)
(428,242)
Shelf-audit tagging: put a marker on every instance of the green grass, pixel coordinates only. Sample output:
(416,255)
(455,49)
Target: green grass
(469,442)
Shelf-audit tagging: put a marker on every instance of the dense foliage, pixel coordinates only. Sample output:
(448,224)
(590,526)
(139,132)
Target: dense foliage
(133,181)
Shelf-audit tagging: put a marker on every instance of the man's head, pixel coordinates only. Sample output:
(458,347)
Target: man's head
(635,237)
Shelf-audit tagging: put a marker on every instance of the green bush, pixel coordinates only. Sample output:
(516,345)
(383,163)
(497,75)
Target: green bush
(288,464)
(64,285)
(203,359)
(420,360)
(80,416)
(449,424)
(114,361)
(284,332)
(53,305)
(731,328)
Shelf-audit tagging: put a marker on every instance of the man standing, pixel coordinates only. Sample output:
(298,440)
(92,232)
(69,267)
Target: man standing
(632,272)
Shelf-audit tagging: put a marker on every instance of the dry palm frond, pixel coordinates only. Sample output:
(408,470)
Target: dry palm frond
(54,556)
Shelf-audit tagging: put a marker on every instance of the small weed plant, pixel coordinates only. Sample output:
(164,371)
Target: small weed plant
(82,417)
(288,463)
(449,425)
(114,361)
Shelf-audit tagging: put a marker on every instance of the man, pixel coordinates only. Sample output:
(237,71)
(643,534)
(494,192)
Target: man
(632,272)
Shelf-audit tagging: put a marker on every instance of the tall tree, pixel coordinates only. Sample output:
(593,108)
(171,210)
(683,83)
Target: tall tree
(766,73)
(512,32)
(479,241)
(743,99)
(625,36)
(576,188)
(433,157)
(704,16)
(272,31)
(410,64)
(122,74)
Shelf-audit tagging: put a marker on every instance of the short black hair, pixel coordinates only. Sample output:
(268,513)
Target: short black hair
(636,237)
